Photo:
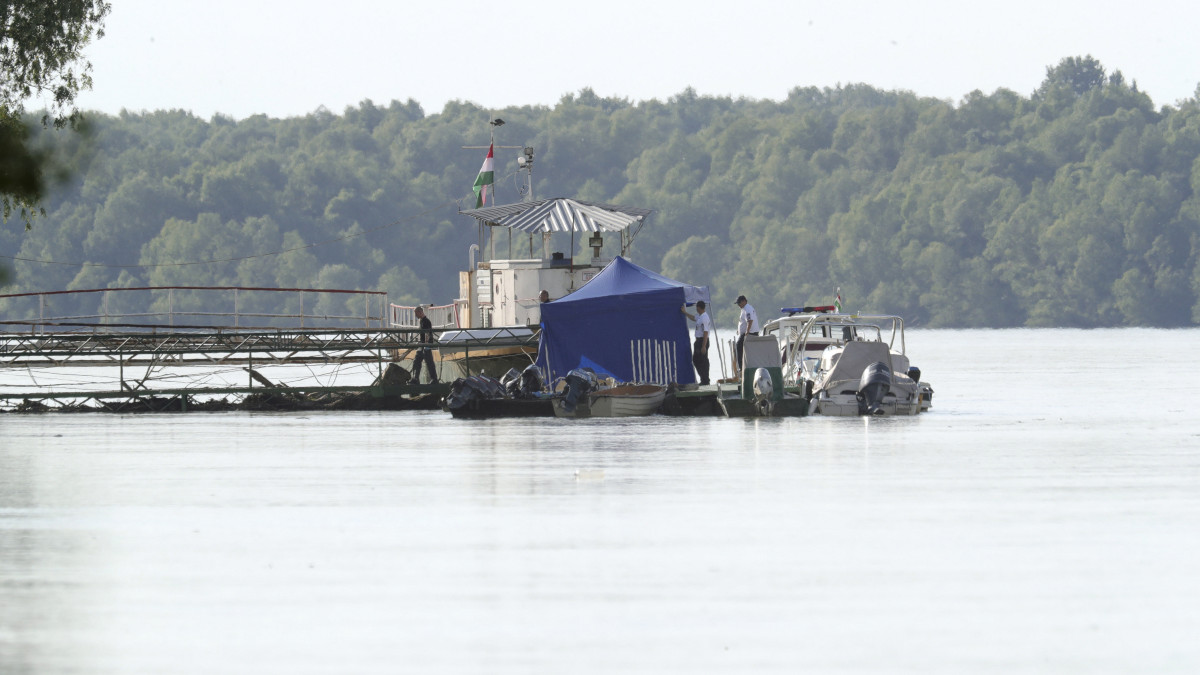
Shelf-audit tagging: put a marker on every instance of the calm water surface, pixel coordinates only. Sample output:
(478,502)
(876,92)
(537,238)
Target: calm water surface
(1045,517)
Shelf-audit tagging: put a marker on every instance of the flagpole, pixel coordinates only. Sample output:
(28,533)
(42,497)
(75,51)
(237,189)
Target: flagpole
(491,235)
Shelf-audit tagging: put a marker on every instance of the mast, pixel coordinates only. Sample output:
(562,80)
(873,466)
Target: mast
(491,234)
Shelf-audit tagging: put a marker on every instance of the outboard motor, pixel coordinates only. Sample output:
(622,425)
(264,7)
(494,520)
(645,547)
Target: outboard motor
(465,390)
(915,373)
(579,382)
(511,382)
(764,391)
(530,382)
(875,383)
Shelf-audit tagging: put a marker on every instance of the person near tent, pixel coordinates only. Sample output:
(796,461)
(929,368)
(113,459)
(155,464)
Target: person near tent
(700,348)
(425,353)
(544,296)
(747,325)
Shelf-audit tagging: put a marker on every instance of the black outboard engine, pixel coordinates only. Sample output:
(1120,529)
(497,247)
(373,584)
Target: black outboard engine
(915,373)
(466,390)
(875,383)
(579,382)
(530,382)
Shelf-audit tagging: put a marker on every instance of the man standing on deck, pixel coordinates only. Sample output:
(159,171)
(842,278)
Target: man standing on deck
(700,349)
(424,354)
(747,325)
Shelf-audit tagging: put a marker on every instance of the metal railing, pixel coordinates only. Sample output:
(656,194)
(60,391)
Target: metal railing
(186,307)
(441,316)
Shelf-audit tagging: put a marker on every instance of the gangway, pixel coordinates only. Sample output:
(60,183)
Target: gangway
(205,329)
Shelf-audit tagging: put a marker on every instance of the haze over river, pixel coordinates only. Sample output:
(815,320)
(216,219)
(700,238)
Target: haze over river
(1043,517)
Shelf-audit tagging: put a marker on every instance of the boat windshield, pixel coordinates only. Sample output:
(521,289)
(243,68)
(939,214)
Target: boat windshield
(804,337)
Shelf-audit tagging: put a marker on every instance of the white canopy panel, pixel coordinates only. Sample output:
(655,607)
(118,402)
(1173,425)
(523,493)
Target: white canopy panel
(560,215)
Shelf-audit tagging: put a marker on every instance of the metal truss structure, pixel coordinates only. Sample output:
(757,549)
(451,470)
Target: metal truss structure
(211,348)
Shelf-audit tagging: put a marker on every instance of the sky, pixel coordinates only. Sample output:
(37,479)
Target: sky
(289,58)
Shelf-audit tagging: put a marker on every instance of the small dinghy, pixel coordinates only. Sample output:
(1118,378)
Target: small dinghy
(584,396)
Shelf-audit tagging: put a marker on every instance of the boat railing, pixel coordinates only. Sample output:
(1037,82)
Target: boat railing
(191,307)
(802,335)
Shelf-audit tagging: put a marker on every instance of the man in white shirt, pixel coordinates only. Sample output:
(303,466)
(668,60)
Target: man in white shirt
(704,327)
(747,325)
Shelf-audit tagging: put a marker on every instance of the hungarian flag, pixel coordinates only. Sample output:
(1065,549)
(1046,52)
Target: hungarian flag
(483,182)
(837,301)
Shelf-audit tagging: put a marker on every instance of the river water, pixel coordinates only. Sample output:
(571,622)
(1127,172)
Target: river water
(1043,517)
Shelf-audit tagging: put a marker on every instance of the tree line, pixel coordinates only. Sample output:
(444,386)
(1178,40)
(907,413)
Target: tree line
(1074,205)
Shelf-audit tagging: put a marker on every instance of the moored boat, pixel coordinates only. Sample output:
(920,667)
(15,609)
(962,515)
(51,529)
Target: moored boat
(518,394)
(585,395)
(628,400)
(849,364)
(762,391)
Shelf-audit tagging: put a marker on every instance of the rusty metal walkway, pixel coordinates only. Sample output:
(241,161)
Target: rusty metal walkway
(122,342)
(204,346)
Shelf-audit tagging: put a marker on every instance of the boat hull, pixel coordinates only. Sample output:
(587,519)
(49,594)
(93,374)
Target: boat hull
(736,406)
(839,400)
(494,362)
(501,407)
(622,401)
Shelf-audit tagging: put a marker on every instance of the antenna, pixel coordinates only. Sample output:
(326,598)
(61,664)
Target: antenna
(525,163)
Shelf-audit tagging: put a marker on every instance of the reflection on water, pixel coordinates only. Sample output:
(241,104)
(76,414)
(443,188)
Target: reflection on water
(1045,517)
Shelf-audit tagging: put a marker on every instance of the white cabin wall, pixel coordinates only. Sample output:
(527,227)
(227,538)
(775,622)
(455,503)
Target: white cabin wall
(504,292)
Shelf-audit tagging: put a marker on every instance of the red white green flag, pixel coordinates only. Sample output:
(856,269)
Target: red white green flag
(483,182)
(837,301)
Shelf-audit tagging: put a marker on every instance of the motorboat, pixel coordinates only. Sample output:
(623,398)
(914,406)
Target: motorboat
(849,364)
(585,395)
(627,400)
(762,391)
(517,394)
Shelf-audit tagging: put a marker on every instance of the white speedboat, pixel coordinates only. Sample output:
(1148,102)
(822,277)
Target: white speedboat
(849,364)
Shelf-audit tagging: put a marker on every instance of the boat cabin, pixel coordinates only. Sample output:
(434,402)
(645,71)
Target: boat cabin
(805,339)
(501,289)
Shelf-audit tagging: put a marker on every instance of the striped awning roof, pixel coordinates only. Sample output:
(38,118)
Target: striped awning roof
(560,215)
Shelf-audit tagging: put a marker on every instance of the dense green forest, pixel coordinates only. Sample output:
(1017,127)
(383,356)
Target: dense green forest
(1075,205)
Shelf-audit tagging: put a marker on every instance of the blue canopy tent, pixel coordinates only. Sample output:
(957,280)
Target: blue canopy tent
(625,323)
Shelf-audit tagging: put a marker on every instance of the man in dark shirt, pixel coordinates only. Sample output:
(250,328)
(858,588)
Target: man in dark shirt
(424,354)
